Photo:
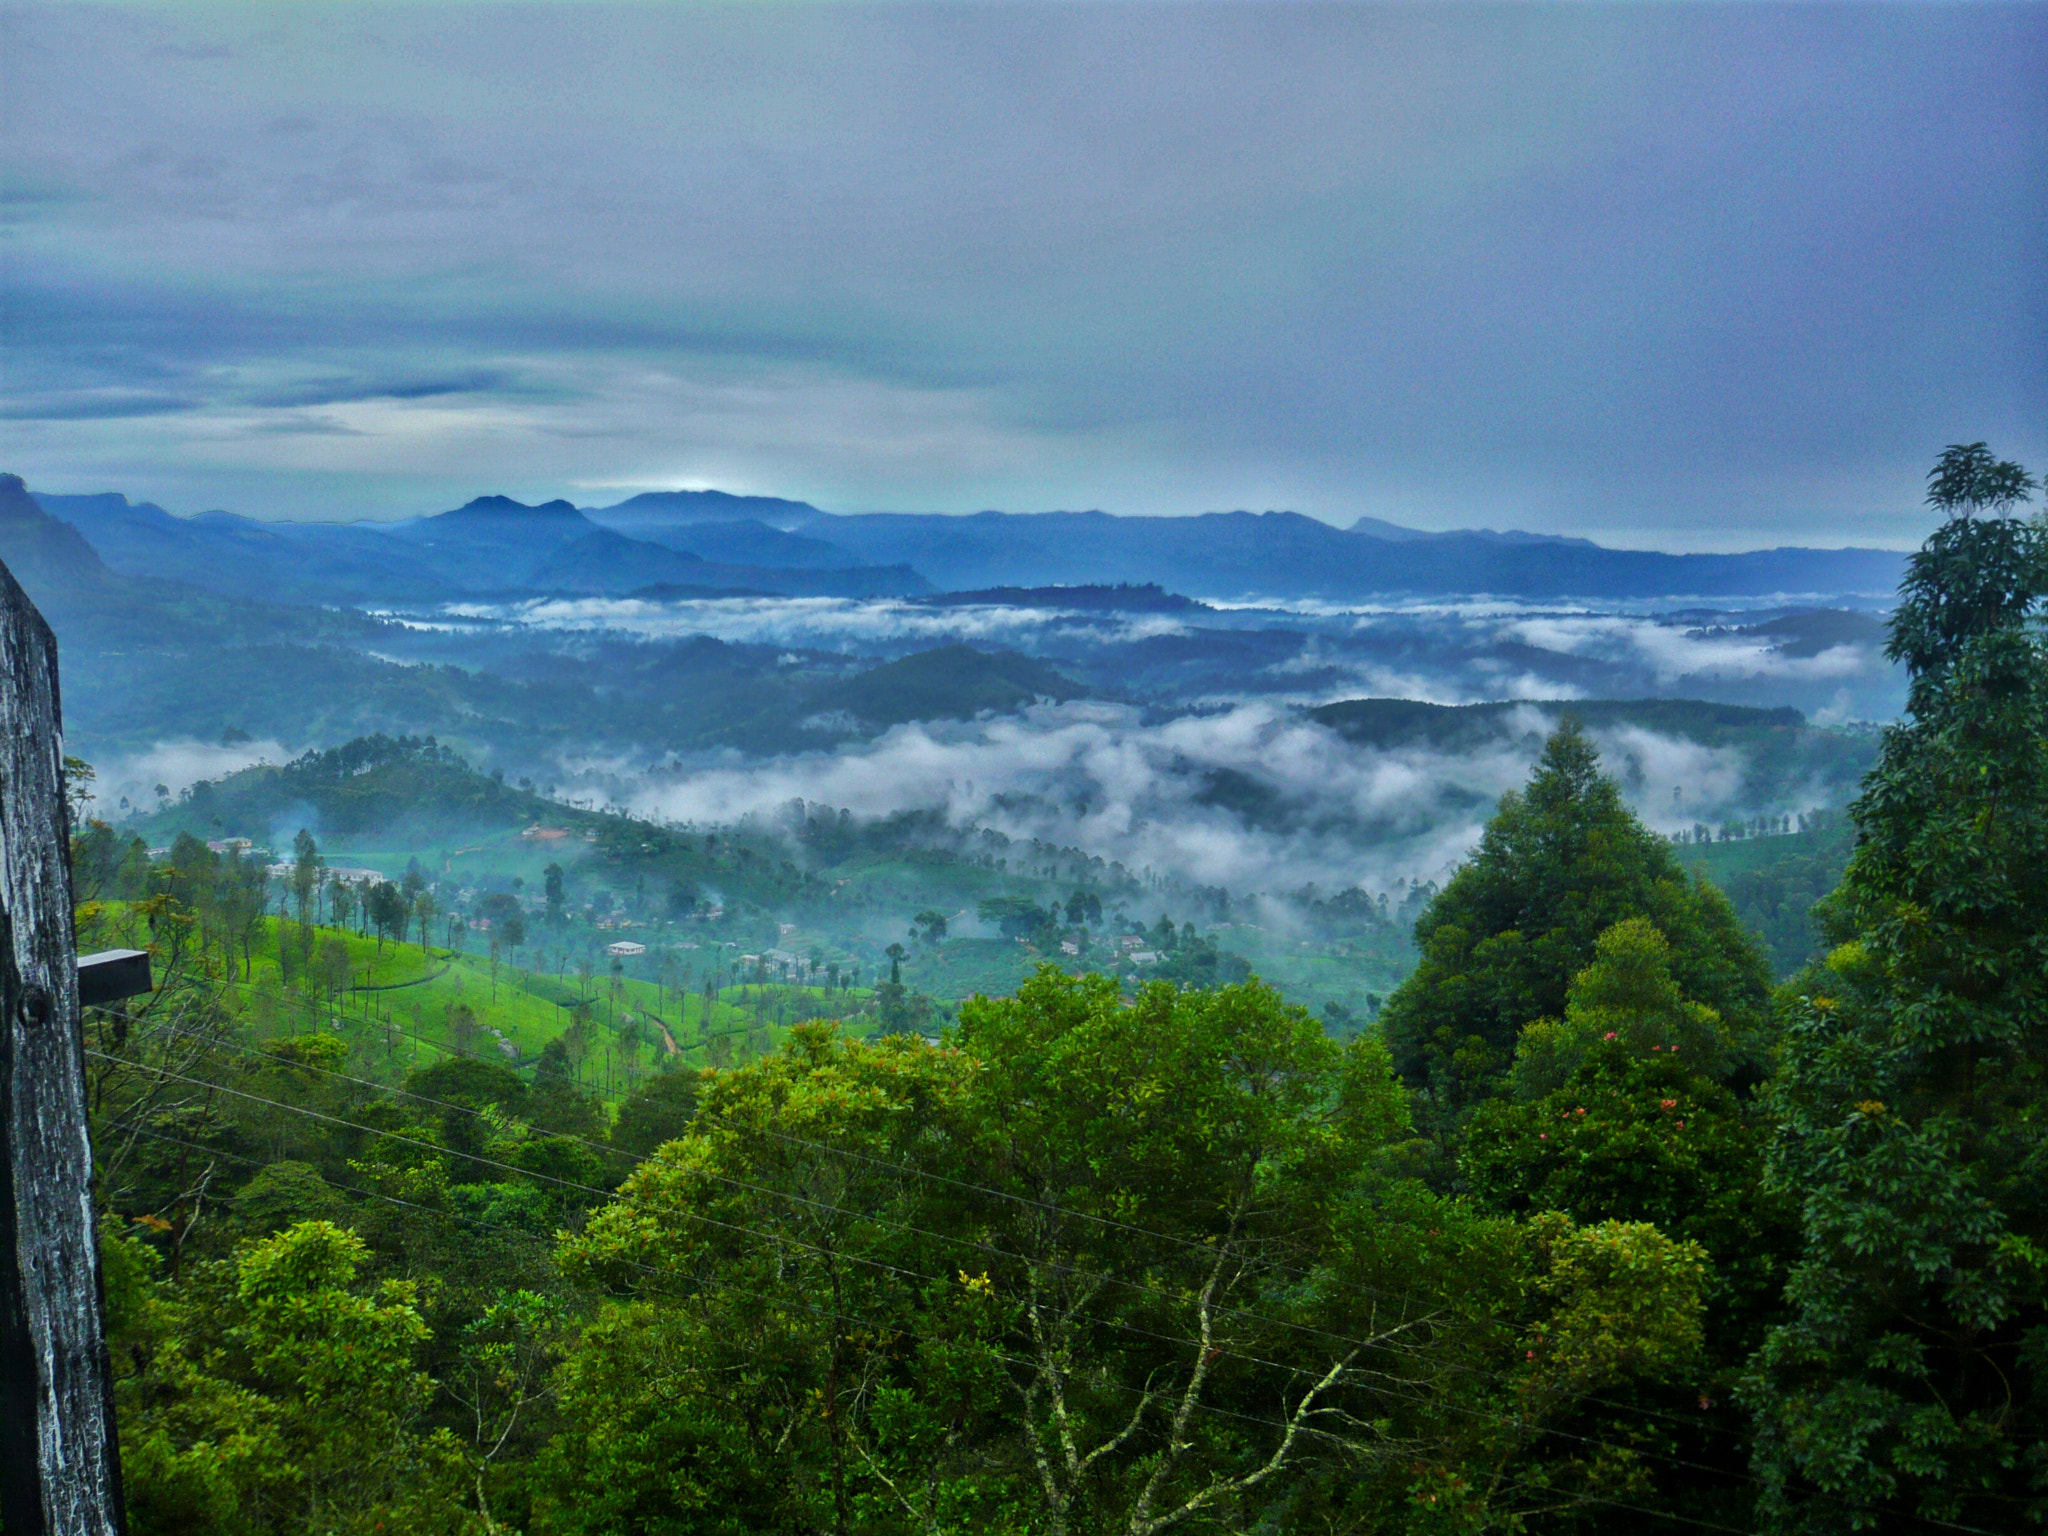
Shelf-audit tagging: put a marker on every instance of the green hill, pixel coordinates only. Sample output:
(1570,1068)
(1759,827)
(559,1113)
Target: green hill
(954,682)
(373,784)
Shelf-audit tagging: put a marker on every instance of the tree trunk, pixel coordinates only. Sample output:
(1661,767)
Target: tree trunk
(59,1466)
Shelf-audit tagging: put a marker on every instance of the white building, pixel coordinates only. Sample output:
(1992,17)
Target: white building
(625,948)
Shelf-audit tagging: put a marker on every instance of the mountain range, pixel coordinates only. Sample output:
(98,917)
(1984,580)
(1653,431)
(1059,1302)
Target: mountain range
(713,541)
(492,544)
(182,637)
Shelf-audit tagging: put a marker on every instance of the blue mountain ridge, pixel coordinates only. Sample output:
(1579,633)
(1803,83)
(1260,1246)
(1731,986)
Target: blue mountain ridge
(710,539)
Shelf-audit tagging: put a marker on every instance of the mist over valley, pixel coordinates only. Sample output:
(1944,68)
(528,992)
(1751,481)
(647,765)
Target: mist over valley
(1255,746)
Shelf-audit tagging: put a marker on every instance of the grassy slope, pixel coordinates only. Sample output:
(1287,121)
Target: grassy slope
(850,890)
(396,1014)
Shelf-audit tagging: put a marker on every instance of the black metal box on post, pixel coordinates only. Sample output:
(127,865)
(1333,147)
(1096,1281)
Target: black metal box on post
(60,1469)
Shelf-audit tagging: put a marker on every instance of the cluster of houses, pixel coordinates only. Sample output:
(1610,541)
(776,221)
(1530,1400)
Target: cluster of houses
(243,847)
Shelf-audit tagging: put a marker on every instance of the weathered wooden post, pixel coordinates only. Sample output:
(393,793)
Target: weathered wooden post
(59,1468)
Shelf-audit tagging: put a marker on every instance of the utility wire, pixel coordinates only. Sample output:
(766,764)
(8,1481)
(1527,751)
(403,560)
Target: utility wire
(614,1197)
(1404,1300)
(1358,1288)
(885,1329)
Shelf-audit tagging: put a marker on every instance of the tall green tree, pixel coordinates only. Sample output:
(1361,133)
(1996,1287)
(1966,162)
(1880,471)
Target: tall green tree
(1619,1111)
(1561,862)
(1098,1265)
(1914,1090)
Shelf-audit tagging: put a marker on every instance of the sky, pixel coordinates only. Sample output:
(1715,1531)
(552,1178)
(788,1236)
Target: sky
(1688,277)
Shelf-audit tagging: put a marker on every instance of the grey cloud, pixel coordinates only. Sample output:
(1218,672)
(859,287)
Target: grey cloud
(192,51)
(1683,274)
(96,407)
(301,425)
(343,391)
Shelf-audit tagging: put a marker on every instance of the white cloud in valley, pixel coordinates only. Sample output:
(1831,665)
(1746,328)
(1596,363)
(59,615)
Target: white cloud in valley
(176,765)
(1253,798)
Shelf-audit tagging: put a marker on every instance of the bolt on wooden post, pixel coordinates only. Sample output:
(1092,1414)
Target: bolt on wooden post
(59,1468)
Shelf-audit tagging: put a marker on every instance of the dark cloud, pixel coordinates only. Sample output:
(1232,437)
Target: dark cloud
(1686,275)
(113,407)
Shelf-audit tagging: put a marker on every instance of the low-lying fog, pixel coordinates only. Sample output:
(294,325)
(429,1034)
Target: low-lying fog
(1253,798)
(1826,662)
(1194,757)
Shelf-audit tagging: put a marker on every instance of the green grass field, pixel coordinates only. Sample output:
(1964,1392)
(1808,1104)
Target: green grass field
(403,1006)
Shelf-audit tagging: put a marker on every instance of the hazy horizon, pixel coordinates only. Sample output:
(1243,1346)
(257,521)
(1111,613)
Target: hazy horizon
(536,498)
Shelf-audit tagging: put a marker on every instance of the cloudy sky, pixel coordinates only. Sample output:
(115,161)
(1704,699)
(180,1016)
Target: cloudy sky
(1694,277)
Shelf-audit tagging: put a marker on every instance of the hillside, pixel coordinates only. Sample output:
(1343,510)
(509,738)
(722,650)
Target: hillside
(489,544)
(731,530)
(42,552)
(671,508)
(133,647)
(954,682)
(1774,882)
(1124,597)
(390,786)
(1411,722)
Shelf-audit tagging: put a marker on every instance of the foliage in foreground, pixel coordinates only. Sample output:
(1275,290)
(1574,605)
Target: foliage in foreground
(1098,1266)
(1915,1121)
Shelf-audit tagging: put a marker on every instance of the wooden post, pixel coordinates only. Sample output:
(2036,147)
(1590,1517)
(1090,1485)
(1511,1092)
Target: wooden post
(59,1468)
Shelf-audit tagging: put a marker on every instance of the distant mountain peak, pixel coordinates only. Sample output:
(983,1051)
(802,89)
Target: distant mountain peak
(1395,533)
(706,506)
(40,549)
(505,506)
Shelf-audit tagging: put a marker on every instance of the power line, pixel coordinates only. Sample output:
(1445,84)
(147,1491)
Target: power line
(1383,1388)
(1358,1288)
(829,1314)
(985,1248)
(992,1250)
(612,1196)
(1373,1292)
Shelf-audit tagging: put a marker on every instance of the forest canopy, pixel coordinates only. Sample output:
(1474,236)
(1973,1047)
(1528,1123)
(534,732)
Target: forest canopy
(1593,1229)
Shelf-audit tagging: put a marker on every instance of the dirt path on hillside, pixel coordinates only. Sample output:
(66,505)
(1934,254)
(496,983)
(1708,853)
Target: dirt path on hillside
(417,981)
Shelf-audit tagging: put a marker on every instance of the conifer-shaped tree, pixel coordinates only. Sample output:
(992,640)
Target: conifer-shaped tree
(1560,863)
(1914,1090)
